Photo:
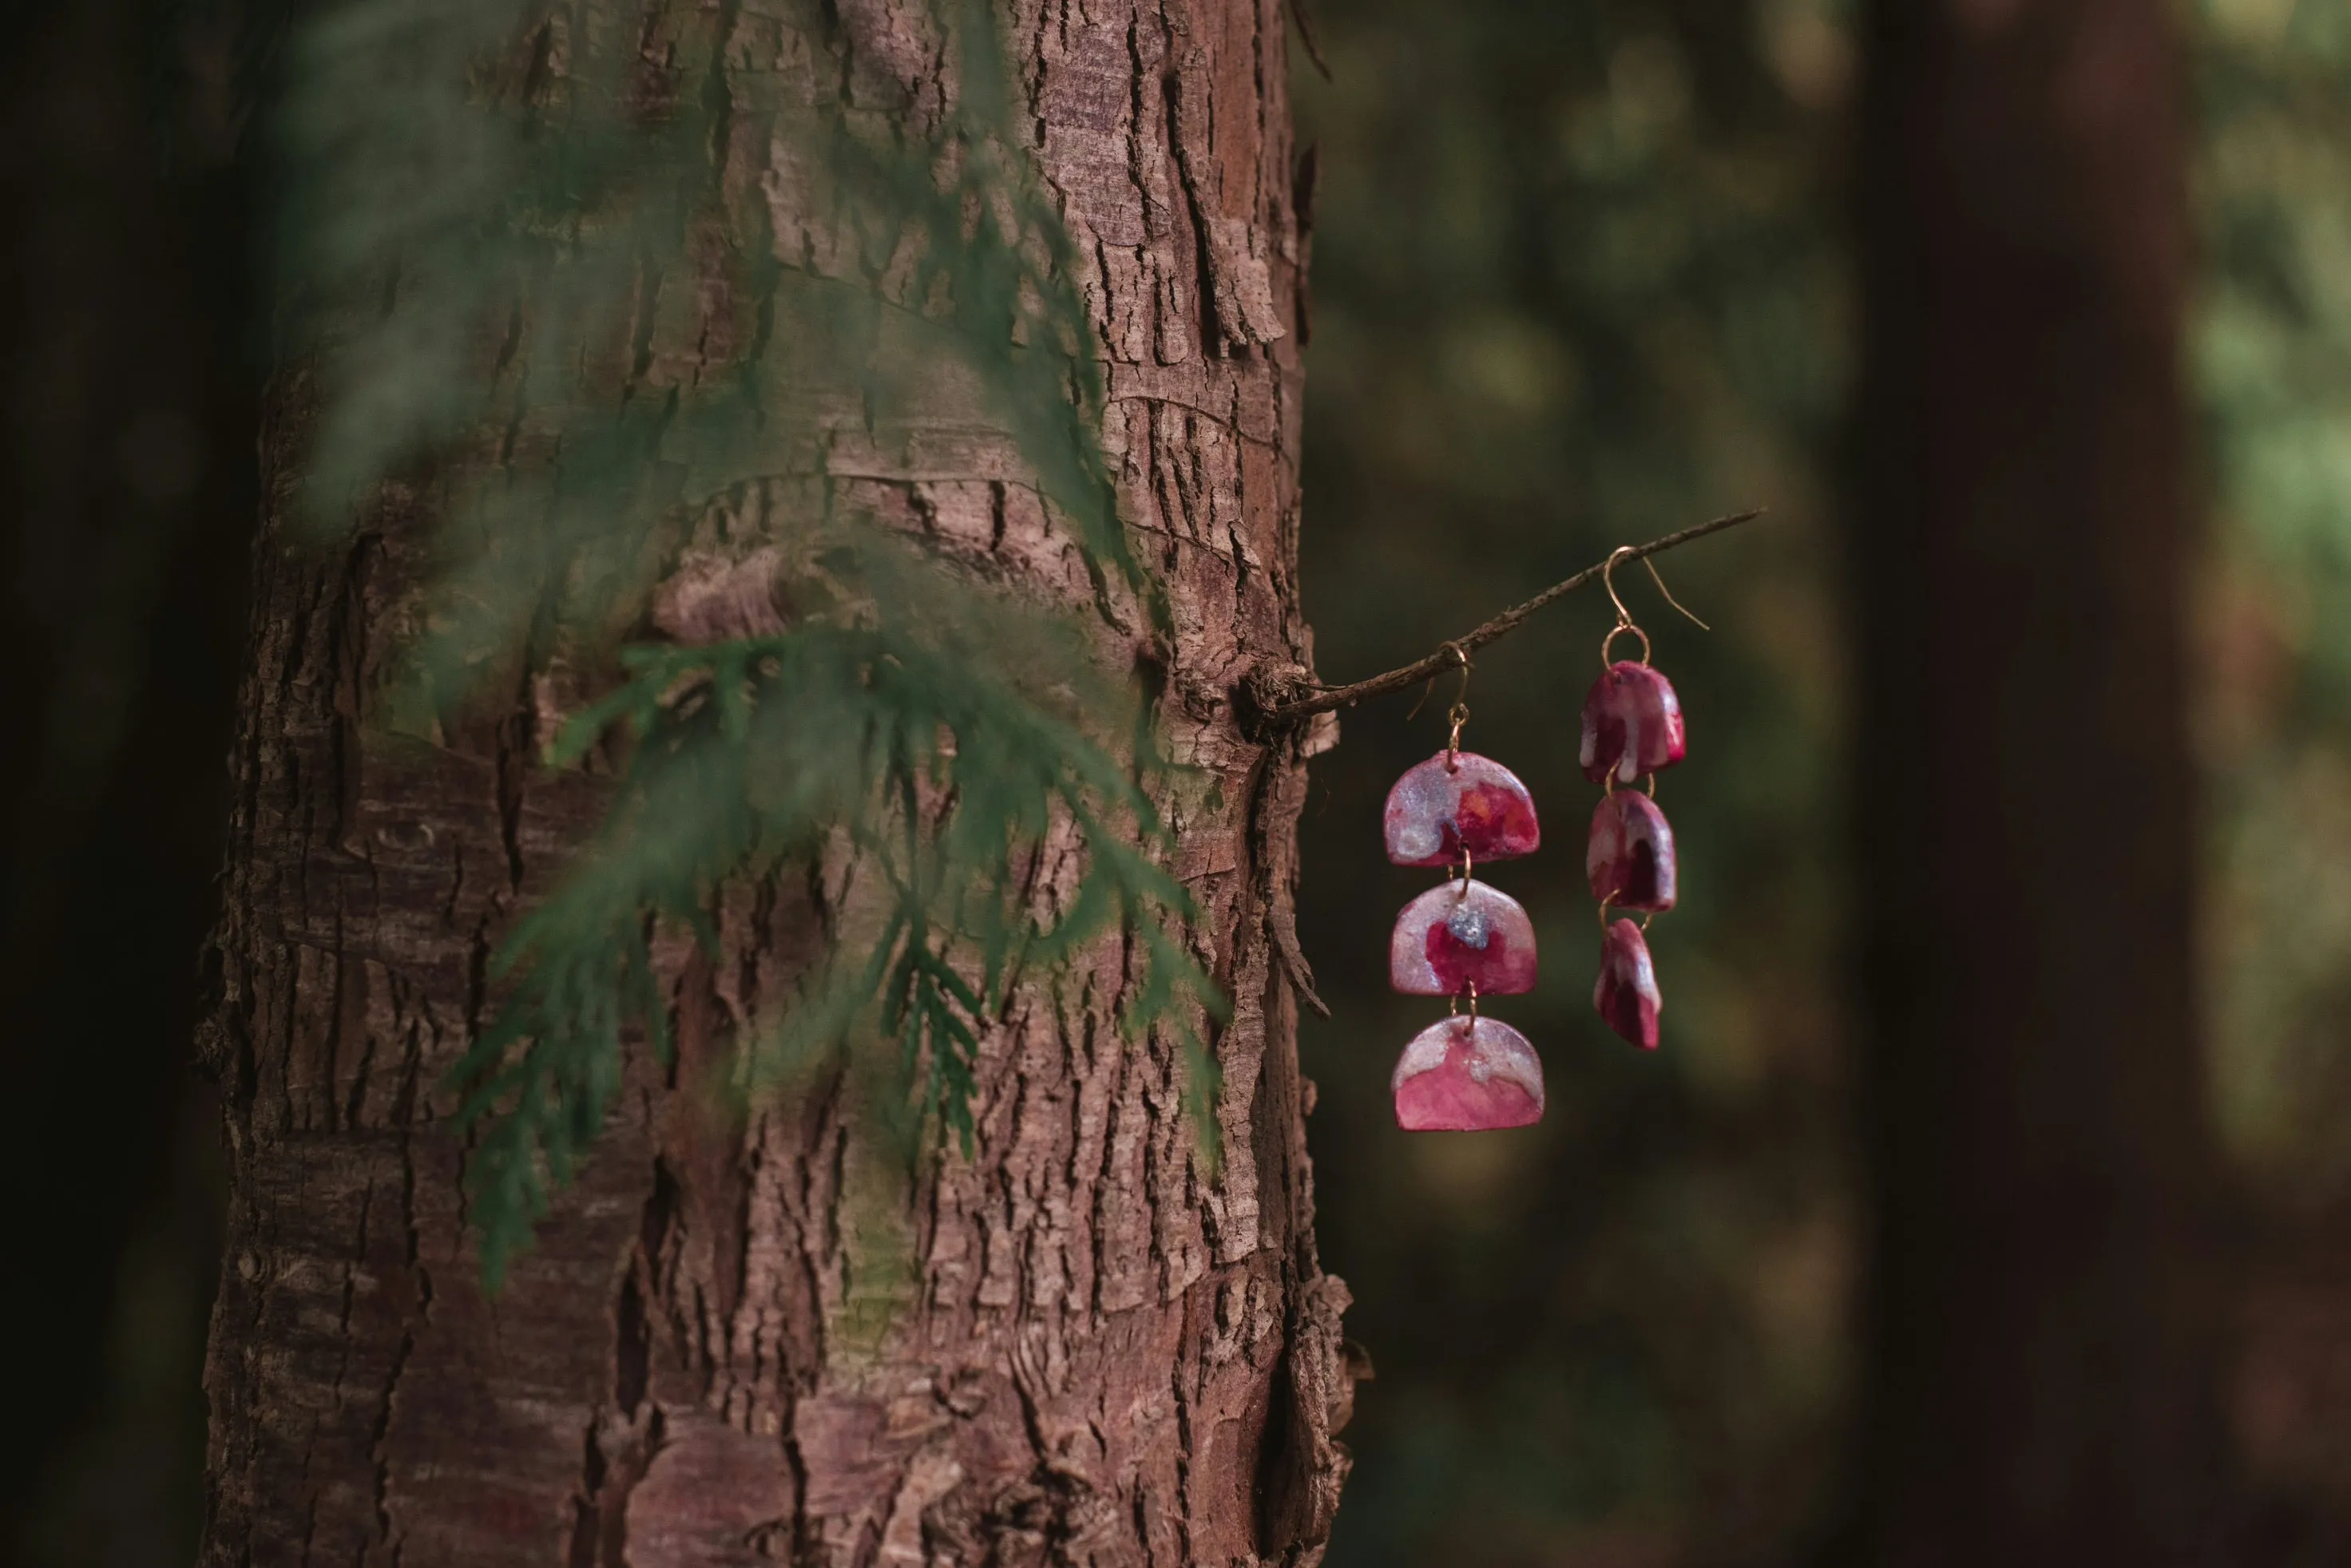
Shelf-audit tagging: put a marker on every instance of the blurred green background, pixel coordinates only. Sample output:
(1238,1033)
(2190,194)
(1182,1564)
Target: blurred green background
(1578,281)
(1582,274)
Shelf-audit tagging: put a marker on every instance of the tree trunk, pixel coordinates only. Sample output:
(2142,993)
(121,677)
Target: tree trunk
(738,1338)
(2041,1374)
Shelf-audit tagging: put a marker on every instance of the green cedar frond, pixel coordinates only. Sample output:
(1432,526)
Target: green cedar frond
(742,755)
(497,208)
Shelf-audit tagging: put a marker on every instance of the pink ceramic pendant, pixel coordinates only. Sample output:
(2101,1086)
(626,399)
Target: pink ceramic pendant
(1436,811)
(1630,858)
(1462,934)
(1468,1075)
(1632,723)
(1627,995)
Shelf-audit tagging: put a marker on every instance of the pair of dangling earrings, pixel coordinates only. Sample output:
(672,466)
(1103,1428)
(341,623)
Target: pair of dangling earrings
(1464,940)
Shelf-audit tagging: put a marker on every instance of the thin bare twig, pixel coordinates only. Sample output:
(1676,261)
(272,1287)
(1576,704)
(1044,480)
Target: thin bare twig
(1323,699)
(1306,36)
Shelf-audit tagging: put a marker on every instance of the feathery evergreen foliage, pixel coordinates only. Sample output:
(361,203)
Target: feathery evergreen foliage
(506,219)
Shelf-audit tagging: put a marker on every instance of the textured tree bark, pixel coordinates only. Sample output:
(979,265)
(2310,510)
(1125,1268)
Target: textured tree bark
(2043,1297)
(739,1338)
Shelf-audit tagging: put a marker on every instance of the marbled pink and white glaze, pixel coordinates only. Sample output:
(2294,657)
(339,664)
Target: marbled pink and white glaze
(1632,723)
(1456,935)
(1630,855)
(1435,811)
(1627,995)
(1468,1075)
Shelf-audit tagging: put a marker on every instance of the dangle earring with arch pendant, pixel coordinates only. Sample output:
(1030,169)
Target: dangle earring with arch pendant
(1463,939)
(1632,729)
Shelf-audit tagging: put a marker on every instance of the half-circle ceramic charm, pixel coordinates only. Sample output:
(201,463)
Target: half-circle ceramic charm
(1468,1075)
(1627,995)
(1630,857)
(1632,725)
(1463,935)
(1434,812)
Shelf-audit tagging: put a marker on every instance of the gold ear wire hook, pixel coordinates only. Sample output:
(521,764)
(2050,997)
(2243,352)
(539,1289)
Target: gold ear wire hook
(1461,695)
(1669,595)
(1459,713)
(1624,622)
(1624,616)
(1608,582)
(1422,701)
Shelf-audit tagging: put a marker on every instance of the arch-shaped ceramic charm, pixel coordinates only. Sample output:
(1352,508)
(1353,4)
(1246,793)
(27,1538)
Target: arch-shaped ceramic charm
(1630,857)
(1457,936)
(1632,723)
(1434,812)
(1627,995)
(1468,1075)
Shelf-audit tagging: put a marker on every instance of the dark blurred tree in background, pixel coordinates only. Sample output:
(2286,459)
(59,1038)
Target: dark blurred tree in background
(127,488)
(2043,1339)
